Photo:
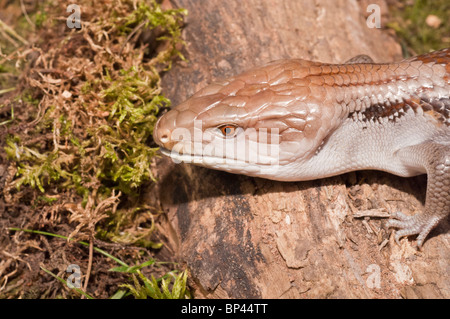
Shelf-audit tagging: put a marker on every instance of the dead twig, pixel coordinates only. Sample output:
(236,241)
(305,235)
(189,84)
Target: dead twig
(89,269)
(24,11)
(379,213)
(11,32)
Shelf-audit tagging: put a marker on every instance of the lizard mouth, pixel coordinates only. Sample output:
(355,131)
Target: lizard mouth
(165,151)
(181,157)
(214,161)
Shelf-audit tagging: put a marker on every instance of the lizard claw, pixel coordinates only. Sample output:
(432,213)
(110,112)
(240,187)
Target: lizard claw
(412,225)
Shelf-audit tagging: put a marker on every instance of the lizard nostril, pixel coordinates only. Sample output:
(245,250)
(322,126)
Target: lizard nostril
(165,137)
(161,134)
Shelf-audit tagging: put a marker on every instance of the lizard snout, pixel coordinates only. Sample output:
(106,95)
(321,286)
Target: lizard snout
(162,134)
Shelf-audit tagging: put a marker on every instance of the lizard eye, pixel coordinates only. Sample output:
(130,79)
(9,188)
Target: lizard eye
(227,130)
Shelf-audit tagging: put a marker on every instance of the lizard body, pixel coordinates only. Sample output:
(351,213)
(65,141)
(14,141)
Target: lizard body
(295,120)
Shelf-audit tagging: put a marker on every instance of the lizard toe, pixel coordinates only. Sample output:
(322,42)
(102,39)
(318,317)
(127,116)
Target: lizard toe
(412,225)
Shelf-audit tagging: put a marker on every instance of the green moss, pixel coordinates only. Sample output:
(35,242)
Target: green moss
(48,200)
(35,169)
(132,100)
(152,16)
(150,288)
(39,18)
(27,97)
(170,286)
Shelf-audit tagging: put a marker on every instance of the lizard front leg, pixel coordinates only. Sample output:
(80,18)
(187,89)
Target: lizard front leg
(434,156)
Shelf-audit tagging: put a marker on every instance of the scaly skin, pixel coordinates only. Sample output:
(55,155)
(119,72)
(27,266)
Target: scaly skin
(324,120)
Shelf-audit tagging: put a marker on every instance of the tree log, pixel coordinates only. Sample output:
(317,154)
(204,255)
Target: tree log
(243,237)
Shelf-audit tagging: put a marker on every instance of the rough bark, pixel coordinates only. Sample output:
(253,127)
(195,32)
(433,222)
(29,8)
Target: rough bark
(244,237)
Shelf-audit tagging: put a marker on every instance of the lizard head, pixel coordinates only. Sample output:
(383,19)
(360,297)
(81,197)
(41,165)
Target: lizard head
(259,123)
